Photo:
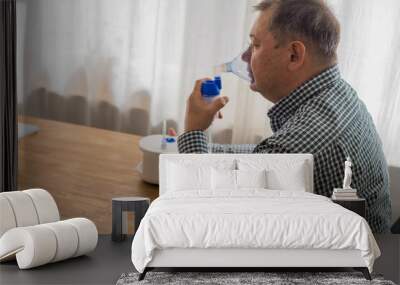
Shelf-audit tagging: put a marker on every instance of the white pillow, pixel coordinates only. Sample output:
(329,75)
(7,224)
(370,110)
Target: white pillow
(223,179)
(183,177)
(251,178)
(291,178)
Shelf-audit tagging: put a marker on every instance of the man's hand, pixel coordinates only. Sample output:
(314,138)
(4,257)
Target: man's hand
(200,113)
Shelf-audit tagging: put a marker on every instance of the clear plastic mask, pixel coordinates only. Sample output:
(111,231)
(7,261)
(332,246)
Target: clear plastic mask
(237,66)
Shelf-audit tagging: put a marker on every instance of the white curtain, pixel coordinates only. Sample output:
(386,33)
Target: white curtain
(369,60)
(129,64)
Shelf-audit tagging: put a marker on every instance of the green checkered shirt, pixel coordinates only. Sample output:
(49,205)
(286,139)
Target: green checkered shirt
(323,117)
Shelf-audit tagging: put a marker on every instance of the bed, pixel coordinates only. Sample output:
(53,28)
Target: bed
(247,211)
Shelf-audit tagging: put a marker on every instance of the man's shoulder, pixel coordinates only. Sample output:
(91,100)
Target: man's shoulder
(321,120)
(331,106)
(334,97)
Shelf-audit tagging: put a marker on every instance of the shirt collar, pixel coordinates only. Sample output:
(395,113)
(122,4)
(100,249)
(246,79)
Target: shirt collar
(287,106)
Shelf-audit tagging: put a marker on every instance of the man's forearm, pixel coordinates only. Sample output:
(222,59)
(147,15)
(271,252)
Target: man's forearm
(232,148)
(196,142)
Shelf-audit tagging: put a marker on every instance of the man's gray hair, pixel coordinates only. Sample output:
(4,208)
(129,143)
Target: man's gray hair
(309,20)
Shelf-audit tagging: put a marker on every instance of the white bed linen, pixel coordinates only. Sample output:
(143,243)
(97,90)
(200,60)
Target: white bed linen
(252,218)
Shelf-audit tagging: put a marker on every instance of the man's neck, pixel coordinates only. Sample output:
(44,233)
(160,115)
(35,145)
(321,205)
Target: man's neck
(295,81)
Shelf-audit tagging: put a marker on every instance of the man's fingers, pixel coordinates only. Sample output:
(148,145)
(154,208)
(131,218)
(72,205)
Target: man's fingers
(197,85)
(219,103)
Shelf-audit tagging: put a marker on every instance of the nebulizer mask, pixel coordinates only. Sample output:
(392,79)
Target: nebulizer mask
(236,66)
(211,89)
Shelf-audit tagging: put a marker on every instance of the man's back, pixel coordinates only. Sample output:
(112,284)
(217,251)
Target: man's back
(332,124)
(325,117)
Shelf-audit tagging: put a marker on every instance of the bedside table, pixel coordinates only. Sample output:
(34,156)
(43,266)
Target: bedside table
(120,207)
(357,205)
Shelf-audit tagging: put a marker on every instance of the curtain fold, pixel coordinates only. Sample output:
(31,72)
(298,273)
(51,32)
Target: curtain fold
(8,97)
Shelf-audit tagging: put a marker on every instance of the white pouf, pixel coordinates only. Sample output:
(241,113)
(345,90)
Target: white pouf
(31,232)
(67,240)
(87,233)
(46,207)
(23,208)
(33,246)
(7,216)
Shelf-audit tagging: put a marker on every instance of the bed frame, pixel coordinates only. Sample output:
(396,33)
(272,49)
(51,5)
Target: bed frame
(246,259)
(249,259)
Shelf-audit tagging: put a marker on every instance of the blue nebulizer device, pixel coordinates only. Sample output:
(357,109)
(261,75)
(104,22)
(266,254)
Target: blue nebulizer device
(210,90)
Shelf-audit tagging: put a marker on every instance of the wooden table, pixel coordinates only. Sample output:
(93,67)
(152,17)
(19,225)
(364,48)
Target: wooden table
(82,167)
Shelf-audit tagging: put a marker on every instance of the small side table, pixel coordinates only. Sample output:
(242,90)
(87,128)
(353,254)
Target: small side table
(120,206)
(358,206)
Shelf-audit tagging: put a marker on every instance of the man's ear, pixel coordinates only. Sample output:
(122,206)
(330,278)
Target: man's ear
(297,54)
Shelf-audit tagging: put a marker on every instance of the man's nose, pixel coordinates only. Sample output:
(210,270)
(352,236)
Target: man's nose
(246,56)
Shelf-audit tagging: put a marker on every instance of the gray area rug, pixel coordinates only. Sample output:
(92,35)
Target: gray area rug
(225,278)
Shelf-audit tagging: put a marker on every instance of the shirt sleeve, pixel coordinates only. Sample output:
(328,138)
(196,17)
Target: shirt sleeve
(193,142)
(270,146)
(196,142)
(232,148)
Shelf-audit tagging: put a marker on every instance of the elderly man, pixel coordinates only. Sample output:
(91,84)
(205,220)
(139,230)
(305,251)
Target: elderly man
(292,61)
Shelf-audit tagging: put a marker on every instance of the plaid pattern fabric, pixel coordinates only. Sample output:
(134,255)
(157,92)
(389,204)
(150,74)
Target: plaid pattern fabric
(323,117)
(196,142)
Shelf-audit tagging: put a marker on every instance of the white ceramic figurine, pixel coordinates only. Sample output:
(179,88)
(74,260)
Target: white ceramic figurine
(347,173)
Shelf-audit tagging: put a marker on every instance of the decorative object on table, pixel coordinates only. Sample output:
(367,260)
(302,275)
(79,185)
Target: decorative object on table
(346,193)
(121,207)
(31,230)
(347,173)
(172,132)
(152,146)
(243,278)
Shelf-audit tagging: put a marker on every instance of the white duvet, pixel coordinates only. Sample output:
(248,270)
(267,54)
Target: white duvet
(250,219)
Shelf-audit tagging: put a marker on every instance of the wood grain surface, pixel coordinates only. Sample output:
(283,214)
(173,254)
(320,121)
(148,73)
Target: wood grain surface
(82,167)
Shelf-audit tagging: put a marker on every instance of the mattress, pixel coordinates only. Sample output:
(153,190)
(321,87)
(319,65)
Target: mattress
(250,219)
